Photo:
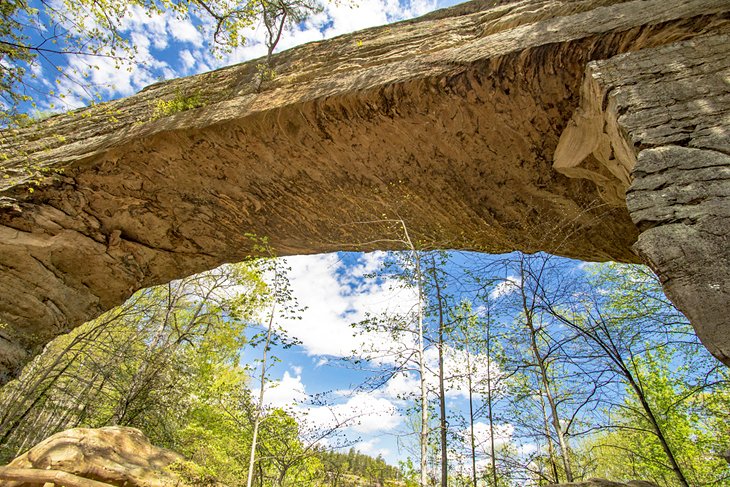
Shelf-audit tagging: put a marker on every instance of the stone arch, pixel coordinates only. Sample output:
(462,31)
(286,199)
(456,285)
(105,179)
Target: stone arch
(593,129)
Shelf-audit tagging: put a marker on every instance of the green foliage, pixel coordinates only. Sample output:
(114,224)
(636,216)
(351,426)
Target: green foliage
(37,44)
(630,449)
(180,103)
(13,37)
(356,464)
(167,362)
(628,380)
(265,73)
(192,473)
(670,387)
(145,364)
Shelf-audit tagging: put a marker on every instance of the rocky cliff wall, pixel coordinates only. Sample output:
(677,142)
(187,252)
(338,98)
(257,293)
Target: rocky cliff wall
(451,122)
(659,119)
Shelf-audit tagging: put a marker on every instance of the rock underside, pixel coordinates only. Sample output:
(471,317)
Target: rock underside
(490,126)
(660,120)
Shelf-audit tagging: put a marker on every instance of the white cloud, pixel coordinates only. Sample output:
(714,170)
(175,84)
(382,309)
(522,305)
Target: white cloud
(85,76)
(148,29)
(335,298)
(361,413)
(370,447)
(509,285)
(402,385)
(343,17)
(187,59)
(336,295)
(322,361)
(183,30)
(407,384)
(502,436)
(285,393)
(156,35)
(335,19)
(527,449)
(367,264)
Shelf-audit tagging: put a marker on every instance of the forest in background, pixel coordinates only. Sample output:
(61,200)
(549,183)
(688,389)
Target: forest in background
(579,371)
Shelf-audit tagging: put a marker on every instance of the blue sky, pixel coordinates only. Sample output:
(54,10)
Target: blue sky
(169,47)
(332,287)
(336,291)
(335,294)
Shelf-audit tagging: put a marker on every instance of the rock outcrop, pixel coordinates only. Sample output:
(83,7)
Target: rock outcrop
(451,122)
(111,456)
(659,120)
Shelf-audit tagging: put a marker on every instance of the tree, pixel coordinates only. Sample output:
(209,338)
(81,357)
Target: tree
(484,375)
(37,41)
(136,365)
(408,332)
(618,340)
(548,395)
(435,281)
(13,59)
(276,15)
(544,366)
(630,326)
(418,277)
(281,305)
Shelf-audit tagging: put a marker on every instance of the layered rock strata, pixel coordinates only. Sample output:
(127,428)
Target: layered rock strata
(109,456)
(658,120)
(450,122)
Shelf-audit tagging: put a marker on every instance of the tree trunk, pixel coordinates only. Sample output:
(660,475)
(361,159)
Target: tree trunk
(545,379)
(554,417)
(442,388)
(424,401)
(551,450)
(490,412)
(658,431)
(262,389)
(418,275)
(471,416)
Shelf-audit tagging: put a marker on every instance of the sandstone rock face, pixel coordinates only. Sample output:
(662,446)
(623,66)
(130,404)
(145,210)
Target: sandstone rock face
(665,133)
(113,455)
(451,122)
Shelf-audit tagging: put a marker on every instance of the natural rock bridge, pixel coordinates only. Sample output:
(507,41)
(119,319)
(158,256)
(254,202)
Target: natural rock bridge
(595,129)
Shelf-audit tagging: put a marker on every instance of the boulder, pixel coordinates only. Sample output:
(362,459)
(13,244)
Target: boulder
(112,455)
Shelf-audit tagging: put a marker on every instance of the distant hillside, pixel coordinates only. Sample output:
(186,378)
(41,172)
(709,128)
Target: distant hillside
(355,469)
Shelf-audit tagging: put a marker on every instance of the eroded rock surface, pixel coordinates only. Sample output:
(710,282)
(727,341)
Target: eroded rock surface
(113,455)
(450,122)
(659,119)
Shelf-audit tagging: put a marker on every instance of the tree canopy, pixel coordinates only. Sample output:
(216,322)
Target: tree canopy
(49,48)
